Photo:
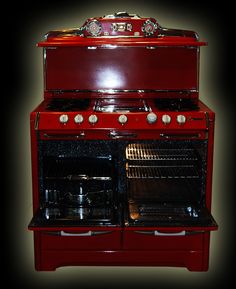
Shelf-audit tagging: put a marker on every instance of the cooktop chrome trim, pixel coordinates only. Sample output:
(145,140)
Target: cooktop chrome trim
(123,90)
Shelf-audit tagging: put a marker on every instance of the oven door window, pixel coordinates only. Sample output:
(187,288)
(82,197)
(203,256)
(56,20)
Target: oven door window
(166,184)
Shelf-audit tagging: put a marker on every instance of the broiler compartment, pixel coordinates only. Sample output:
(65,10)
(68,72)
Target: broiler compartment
(166,184)
(77,191)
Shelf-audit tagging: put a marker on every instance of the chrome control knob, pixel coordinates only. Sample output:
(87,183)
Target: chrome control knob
(122,119)
(93,119)
(63,118)
(181,119)
(166,119)
(151,117)
(78,118)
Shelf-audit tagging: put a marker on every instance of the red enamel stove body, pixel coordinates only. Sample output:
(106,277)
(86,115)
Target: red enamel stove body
(122,148)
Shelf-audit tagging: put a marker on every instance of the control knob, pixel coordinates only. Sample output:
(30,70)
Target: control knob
(181,119)
(151,117)
(122,119)
(166,119)
(93,119)
(79,118)
(63,118)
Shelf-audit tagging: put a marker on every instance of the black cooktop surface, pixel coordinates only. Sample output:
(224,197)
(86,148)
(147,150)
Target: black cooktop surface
(59,104)
(173,104)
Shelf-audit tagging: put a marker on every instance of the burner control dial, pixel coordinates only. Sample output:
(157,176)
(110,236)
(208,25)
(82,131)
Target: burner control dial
(63,118)
(166,119)
(181,119)
(93,119)
(78,118)
(151,117)
(122,119)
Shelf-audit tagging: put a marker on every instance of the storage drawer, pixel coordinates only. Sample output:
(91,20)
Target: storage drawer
(79,240)
(154,240)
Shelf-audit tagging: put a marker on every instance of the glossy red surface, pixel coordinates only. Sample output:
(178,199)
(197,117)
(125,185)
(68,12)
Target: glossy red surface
(121,249)
(123,246)
(134,68)
(103,42)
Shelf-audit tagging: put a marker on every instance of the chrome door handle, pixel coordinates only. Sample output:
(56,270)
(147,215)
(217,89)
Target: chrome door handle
(64,136)
(86,234)
(179,136)
(120,135)
(181,233)
(157,233)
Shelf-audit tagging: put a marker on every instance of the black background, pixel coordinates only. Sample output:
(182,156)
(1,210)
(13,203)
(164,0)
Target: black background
(20,18)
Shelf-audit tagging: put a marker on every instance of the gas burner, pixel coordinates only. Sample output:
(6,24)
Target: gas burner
(170,104)
(121,105)
(58,104)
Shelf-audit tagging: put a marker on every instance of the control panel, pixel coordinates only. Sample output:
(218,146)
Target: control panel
(121,23)
(145,120)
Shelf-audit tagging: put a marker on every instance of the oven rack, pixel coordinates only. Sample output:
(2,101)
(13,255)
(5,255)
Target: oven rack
(161,172)
(149,152)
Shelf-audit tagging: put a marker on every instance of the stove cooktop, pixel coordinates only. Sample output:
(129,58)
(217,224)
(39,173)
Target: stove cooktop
(122,106)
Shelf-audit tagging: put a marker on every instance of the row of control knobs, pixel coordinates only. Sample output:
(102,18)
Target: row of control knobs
(166,119)
(151,118)
(64,118)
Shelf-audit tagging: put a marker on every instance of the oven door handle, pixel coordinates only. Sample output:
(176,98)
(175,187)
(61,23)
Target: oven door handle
(180,136)
(120,135)
(64,136)
(86,234)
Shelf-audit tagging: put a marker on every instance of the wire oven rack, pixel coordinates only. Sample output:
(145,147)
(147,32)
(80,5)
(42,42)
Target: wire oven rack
(149,161)
(145,152)
(161,172)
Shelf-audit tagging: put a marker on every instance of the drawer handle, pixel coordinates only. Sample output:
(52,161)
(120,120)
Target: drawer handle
(86,234)
(157,233)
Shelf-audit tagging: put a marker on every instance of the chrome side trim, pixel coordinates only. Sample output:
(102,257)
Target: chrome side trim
(36,122)
(207,120)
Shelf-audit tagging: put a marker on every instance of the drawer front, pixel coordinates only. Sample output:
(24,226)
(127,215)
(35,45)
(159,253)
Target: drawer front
(89,240)
(149,240)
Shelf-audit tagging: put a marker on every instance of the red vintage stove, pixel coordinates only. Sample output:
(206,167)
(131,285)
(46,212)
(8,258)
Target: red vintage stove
(122,148)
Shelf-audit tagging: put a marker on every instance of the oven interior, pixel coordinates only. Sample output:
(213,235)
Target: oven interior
(166,183)
(96,182)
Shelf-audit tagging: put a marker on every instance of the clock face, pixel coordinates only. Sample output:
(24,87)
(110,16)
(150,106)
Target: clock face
(149,27)
(94,28)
